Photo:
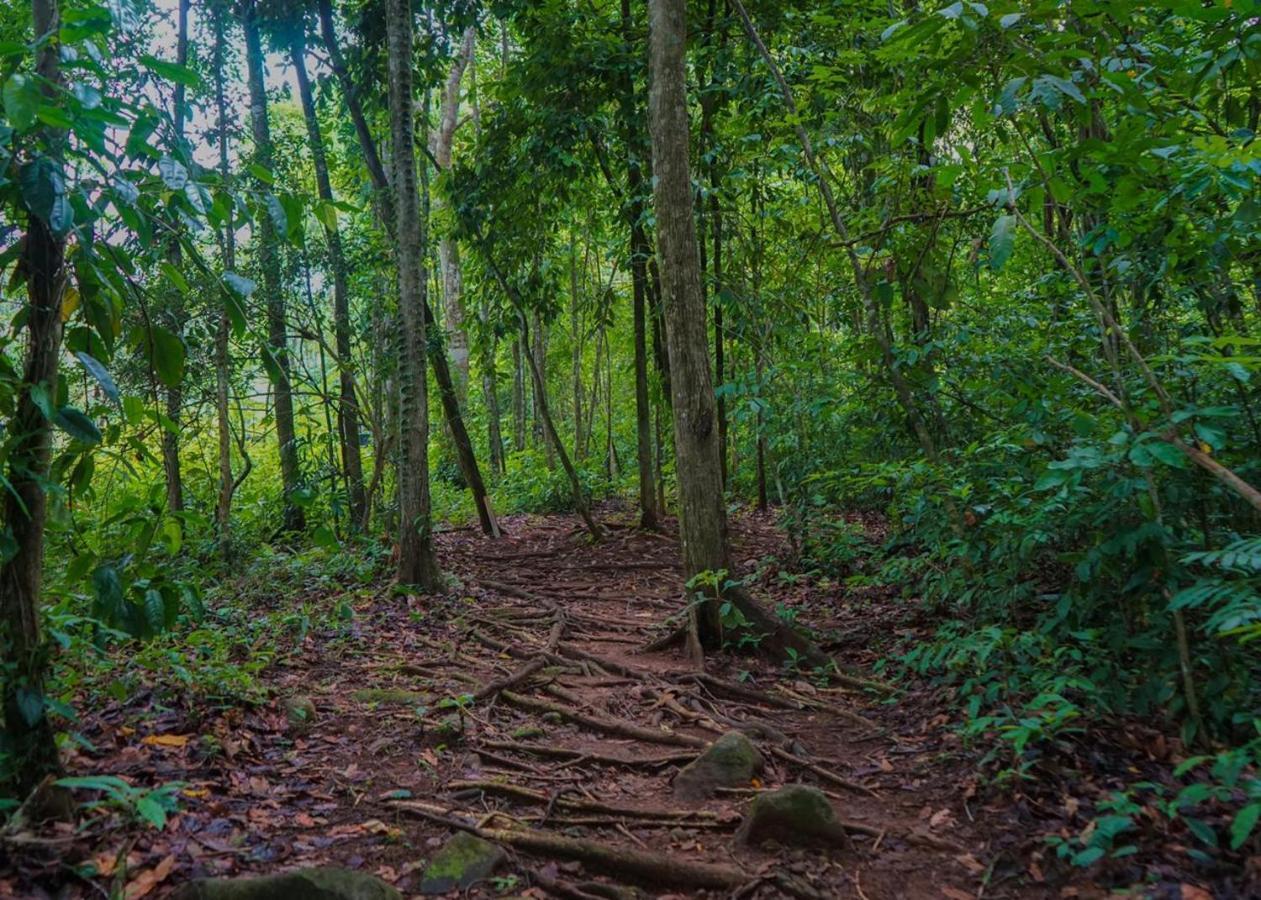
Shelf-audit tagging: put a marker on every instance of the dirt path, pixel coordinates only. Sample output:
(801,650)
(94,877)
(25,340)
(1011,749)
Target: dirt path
(572,732)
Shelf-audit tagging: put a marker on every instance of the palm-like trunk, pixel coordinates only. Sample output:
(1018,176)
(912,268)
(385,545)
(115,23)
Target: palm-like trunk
(417,564)
(31,744)
(273,290)
(347,406)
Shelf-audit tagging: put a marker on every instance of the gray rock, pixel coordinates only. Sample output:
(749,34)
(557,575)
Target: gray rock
(304,884)
(794,814)
(299,711)
(463,860)
(730,761)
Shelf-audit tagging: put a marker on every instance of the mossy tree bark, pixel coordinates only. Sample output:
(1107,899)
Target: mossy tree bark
(417,563)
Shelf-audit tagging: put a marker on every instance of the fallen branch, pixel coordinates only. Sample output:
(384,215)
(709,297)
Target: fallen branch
(530,795)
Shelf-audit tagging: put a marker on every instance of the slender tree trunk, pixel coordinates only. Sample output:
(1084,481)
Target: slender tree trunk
(273,290)
(175,392)
(448,249)
(518,398)
(447,393)
(640,252)
(702,514)
(417,564)
(29,738)
(347,406)
(223,508)
(575,331)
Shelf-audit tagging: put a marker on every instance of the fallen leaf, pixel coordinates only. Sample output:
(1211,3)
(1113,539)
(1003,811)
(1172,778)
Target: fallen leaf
(1191,892)
(195,793)
(166,740)
(941,818)
(971,863)
(146,881)
(956,894)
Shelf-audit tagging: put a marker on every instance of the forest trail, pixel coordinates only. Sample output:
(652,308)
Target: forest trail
(574,732)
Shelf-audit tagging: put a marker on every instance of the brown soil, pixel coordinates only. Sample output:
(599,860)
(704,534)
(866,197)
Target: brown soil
(366,783)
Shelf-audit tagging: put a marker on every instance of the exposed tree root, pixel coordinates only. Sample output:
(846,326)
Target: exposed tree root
(561,801)
(577,756)
(603,723)
(657,869)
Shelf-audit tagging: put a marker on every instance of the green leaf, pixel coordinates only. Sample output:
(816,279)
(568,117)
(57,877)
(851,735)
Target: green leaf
(323,537)
(1245,822)
(1167,454)
(44,192)
(171,71)
(168,355)
(150,810)
(21,99)
(173,173)
(77,425)
(100,373)
(1002,241)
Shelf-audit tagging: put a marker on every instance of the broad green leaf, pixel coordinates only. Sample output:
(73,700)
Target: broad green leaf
(168,355)
(1002,241)
(21,99)
(77,425)
(100,373)
(1244,823)
(171,71)
(173,173)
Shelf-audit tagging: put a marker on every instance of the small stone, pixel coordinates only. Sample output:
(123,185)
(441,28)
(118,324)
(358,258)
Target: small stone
(462,861)
(730,761)
(528,731)
(304,884)
(552,718)
(299,711)
(793,815)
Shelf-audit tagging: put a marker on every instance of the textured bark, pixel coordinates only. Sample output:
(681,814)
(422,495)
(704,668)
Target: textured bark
(448,249)
(28,736)
(518,399)
(347,405)
(273,290)
(223,506)
(417,564)
(175,393)
(447,392)
(640,251)
(702,515)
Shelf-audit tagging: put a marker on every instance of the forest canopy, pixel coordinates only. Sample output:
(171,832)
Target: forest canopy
(890,363)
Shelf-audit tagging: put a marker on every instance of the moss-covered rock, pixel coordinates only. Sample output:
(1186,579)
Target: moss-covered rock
(730,761)
(526,732)
(463,860)
(389,696)
(794,814)
(299,711)
(304,884)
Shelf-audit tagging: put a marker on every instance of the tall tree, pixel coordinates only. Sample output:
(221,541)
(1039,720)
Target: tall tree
(347,405)
(28,739)
(269,263)
(442,142)
(417,563)
(227,249)
(702,512)
(447,394)
(175,392)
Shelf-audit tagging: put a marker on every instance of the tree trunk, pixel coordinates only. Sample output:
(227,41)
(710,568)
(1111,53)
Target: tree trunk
(447,393)
(518,398)
(175,392)
(223,508)
(702,514)
(448,249)
(640,251)
(29,739)
(417,564)
(347,406)
(273,290)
